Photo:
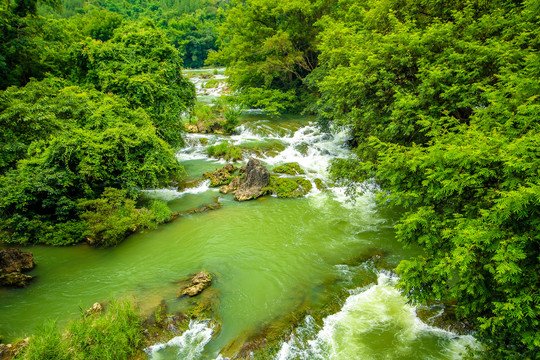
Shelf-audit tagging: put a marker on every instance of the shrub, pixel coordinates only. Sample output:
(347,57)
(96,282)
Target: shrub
(226,151)
(115,334)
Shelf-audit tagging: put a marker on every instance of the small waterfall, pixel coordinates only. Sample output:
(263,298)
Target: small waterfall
(168,194)
(188,346)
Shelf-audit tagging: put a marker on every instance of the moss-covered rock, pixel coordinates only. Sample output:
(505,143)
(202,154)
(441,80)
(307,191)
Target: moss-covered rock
(289,187)
(196,284)
(189,183)
(221,176)
(289,169)
(319,184)
(225,150)
(12,263)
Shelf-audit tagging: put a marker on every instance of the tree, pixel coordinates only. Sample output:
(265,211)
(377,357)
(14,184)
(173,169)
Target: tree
(96,142)
(269,49)
(138,64)
(443,106)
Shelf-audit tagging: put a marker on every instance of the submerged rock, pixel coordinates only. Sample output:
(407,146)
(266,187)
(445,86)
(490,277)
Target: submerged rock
(443,315)
(255,179)
(378,256)
(190,184)
(196,285)
(212,206)
(12,263)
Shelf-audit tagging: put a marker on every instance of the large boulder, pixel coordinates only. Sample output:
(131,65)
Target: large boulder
(12,263)
(256,178)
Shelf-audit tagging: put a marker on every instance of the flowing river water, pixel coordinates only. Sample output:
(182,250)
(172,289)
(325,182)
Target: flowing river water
(267,256)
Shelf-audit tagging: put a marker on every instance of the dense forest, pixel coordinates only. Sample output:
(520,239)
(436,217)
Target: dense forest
(442,101)
(90,114)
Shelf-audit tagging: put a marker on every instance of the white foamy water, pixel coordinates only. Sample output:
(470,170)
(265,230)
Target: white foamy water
(188,346)
(374,323)
(169,194)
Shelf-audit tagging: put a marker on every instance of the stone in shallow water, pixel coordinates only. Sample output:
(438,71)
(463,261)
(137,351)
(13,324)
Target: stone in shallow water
(196,285)
(255,179)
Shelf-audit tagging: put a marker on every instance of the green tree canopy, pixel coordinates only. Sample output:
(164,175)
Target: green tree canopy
(442,102)
(86,141)
(269,48)
(138,64)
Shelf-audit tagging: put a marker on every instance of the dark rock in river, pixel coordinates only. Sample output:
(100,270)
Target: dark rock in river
(15,279)
(196,285)
(255,179)
(12,260)
(12,263)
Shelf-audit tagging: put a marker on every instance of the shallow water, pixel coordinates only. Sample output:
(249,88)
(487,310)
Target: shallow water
(267,256)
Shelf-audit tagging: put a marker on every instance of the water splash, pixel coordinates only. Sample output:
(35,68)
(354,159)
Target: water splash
(189,346)
(375,323)
(169,194)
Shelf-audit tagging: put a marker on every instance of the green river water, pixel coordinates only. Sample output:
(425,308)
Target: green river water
(267,255)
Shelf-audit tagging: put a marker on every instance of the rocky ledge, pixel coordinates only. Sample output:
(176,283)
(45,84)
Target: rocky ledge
(12,263)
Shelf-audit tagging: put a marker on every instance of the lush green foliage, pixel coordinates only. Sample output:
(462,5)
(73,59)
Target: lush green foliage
(79,142)
(138,64)
(224,116)
(189,24)
(225,150)
(442,102)
(115,334)
(110,218)
(269,48)
(114,124)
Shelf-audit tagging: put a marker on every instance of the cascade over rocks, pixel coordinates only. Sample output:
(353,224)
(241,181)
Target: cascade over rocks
(12,263)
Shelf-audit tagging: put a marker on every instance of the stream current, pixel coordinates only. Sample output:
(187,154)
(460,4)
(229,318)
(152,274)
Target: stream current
(268,256)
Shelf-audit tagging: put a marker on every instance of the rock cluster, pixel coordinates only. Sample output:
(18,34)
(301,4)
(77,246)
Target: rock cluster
(249,183)
(12,263)
(214,126)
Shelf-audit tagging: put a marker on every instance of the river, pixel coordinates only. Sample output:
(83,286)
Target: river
(267,256)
